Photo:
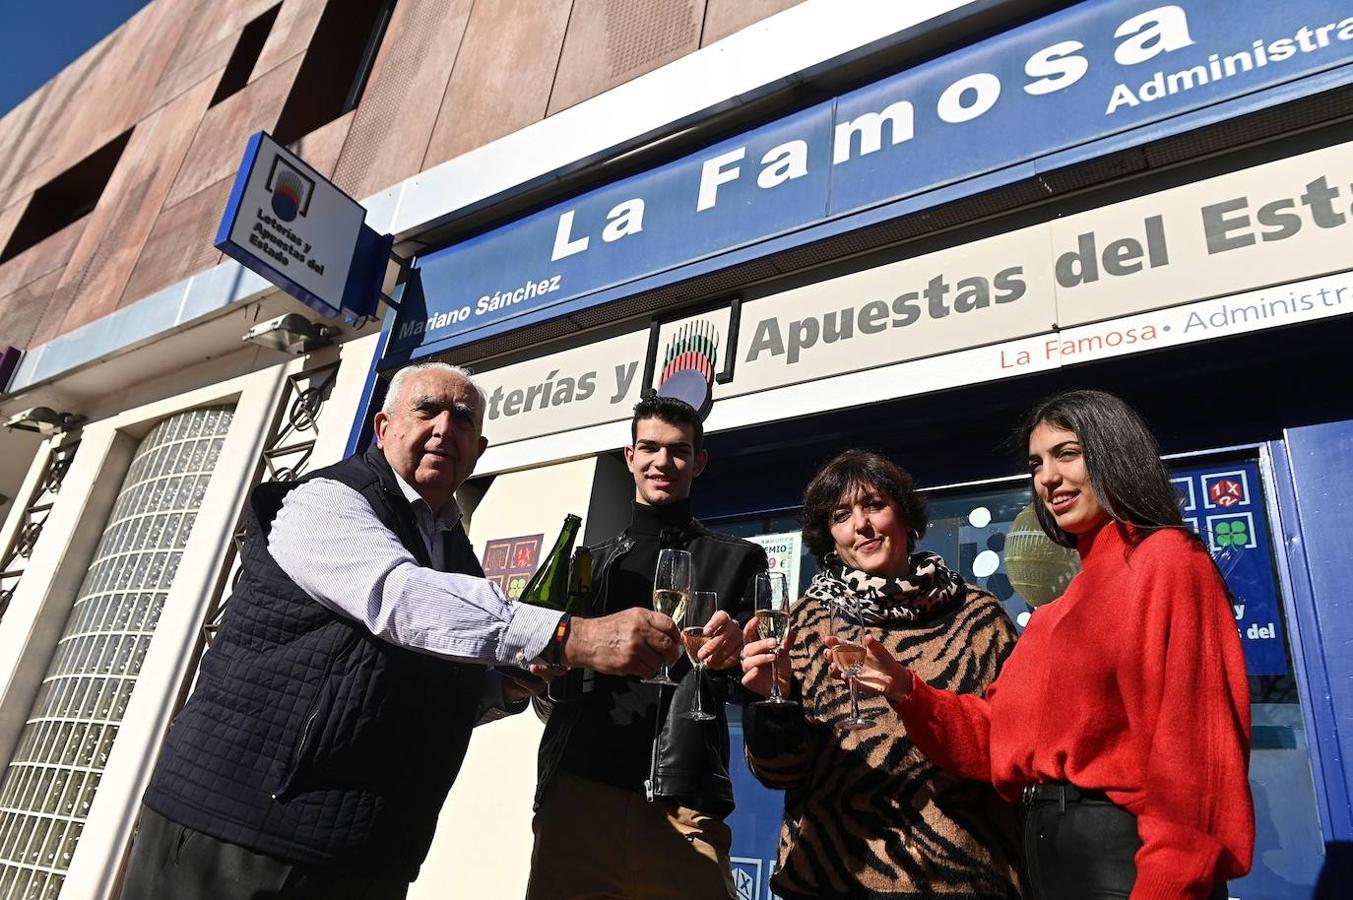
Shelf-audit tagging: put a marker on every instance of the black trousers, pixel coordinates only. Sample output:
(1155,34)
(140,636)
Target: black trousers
(171,861)
(1083,849)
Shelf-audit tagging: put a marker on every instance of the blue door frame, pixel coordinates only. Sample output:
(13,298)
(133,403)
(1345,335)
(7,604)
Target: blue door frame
(1314,495)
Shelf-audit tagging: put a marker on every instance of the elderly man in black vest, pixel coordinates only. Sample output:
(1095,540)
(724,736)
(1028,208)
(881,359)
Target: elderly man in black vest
(334,708)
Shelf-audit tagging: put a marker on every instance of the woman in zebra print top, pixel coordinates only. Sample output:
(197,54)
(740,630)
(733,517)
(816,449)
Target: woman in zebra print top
(866,815)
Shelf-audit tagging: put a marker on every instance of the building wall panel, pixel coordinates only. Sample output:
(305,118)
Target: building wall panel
(93,100)
(207,62)
(31,307)
(723,17)
(219,144)
(27,316)
(290,34)
(503,75)
(394,120)
(28,156)
(321,147)
(43,258)
(610,42)
(20,143)
(180,244)
(115,97)
(211,23)
(103,261)
(10,213)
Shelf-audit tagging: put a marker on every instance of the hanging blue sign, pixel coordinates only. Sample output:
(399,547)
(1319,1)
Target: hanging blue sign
(294,227)
(996,108)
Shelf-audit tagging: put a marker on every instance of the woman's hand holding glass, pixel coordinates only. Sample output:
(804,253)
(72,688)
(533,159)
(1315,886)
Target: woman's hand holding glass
(881,674)
(848,634)
(760,659)
(771,594)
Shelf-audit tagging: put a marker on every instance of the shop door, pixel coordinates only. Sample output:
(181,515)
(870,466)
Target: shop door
(990,534)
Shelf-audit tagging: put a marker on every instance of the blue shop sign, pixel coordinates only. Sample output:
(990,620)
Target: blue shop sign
(290,224)
(996,109)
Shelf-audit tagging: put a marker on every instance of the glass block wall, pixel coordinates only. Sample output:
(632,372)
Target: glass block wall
(51,780)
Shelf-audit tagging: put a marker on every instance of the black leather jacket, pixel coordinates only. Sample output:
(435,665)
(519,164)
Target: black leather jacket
(690,759)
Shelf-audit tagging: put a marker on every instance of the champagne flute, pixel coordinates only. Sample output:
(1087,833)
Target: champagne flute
(772,618)
(671,588)
(699,610)
(848,626)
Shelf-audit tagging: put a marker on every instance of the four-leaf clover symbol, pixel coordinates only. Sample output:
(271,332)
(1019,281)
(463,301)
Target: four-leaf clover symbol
(1232,533)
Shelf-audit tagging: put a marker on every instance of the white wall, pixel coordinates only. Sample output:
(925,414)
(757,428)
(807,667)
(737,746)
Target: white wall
(483,841)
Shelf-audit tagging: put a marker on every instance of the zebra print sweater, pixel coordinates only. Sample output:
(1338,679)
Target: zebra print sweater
(867,816)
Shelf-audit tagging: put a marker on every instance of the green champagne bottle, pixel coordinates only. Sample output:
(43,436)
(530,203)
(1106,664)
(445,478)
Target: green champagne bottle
(549,587)
(575,684)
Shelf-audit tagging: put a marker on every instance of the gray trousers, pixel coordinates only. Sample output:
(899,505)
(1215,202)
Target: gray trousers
(171,861)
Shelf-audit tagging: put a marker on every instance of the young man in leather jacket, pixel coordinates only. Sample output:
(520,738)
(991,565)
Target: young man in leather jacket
(631,796)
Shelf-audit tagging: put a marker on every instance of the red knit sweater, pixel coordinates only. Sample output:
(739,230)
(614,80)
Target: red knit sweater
(1133,683)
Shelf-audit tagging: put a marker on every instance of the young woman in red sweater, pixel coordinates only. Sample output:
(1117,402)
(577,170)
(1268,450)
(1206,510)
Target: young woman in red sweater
(1122,718)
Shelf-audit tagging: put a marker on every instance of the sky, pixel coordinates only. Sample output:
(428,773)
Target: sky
(34,46)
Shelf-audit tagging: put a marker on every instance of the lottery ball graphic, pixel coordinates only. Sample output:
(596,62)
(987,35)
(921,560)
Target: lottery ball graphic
(1037,568)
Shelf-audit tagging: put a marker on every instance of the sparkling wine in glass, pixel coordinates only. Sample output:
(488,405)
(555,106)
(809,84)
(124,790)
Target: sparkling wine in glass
(772,619)
(848,626)
(671,587)
(699,611)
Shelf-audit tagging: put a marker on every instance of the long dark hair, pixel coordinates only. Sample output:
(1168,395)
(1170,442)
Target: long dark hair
(1121,456)
(851,471)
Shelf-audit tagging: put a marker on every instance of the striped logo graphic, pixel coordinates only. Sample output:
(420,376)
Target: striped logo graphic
(695,347)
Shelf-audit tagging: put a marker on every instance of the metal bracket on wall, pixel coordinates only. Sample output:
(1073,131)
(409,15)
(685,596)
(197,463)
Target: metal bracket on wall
(40,502)
(731,357)
(285,457)
(725,374)
(405,264)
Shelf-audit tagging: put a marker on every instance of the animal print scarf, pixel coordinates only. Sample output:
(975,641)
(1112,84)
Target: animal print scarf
(930,588)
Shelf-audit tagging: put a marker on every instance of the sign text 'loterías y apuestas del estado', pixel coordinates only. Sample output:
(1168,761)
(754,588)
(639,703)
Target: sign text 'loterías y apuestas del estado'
(1003,108)
(289,224)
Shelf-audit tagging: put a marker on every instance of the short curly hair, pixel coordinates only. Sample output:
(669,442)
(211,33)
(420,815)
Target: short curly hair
(847,474)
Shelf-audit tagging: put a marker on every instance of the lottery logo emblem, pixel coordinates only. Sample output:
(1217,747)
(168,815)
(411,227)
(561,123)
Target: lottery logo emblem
(688,366)
(290,191)
(1226,492)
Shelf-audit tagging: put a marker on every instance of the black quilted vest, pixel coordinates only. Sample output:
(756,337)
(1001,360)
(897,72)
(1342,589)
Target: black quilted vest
(307,738)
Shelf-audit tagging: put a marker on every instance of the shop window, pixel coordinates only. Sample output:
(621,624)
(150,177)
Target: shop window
(334,73)
(992,537)
(245,55)
(67,198)
(50,782)
(990,534)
